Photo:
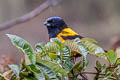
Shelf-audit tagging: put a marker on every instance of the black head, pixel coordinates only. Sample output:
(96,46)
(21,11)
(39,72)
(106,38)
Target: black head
(54,25)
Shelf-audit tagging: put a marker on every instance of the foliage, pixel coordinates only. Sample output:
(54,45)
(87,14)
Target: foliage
(55,60)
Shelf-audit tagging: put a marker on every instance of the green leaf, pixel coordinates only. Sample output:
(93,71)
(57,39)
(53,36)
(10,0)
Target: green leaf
(98,65)
(66,53)
(103,68)
(85,63)
(90,40)
(57,41)
(66,59)
(68,64)
(117,61)
(48,71)
(111,56)
(55,67)
(52,56)
(24,46)
(46,58)
(39,47)
(83,50)
(50,47)
(73,46)
(36,71)
(15,69)
(14,77)
(25,72)
(77,65)
(107,75)
(59,76)
(76,69)
(92,48)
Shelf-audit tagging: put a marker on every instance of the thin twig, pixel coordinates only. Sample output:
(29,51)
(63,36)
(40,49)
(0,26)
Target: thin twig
(109,78)
(91,73)
(114,66)
(84,78)
(28,16)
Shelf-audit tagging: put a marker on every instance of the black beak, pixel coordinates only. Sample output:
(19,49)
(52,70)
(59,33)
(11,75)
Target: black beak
(46,23)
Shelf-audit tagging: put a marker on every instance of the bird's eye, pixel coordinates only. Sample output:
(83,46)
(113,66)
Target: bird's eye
(48,21)
(51,21)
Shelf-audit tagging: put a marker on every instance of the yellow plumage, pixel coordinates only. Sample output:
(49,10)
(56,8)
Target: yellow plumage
(66,32)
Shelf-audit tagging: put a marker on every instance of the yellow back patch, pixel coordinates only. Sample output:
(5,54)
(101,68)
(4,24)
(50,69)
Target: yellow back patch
(66,32)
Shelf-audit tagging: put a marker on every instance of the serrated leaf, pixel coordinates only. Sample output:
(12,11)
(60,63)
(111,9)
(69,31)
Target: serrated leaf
(50,47)
(92,48)
(55,67)
(68,64)
(24,46)
(73,46)
(83,50)
(111,56)
(36,71)
(48,71)
(66,54)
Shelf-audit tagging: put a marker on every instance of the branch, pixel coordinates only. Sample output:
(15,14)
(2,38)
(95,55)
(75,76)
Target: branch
(91,73)
(29,16)
(84,78)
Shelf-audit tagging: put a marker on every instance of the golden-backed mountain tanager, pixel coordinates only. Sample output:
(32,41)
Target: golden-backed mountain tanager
(57,28)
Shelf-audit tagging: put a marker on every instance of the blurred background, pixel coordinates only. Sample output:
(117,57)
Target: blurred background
(97,19)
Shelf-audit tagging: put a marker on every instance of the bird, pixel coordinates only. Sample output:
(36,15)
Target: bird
(57,28)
